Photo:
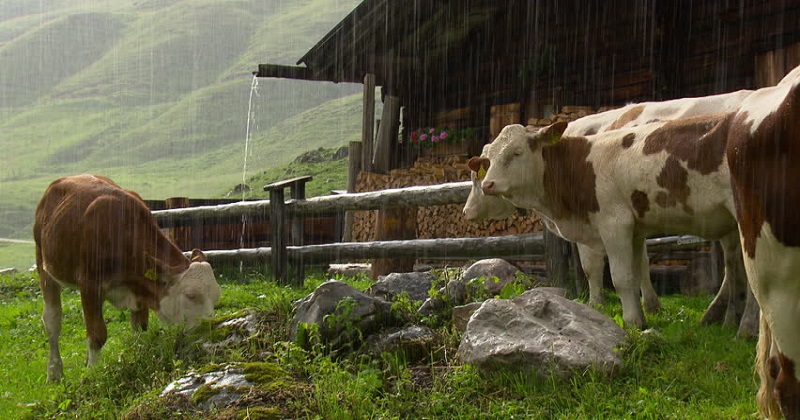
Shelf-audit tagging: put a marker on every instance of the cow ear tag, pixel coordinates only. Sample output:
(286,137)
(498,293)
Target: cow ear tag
(482,172)
(151,274)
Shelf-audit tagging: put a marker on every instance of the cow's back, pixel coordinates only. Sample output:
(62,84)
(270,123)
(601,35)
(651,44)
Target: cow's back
(89,217)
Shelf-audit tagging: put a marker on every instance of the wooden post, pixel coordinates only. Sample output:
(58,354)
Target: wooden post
(367,122)
(278,243)
(394,224)
(353,169)
(181,236)
(581,284)
(298,192)
(557,261)
(387,135)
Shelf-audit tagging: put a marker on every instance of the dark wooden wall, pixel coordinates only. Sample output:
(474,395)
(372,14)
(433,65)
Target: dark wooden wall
(596,53)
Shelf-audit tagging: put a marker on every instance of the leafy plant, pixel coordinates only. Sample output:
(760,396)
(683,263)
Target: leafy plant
(431,136)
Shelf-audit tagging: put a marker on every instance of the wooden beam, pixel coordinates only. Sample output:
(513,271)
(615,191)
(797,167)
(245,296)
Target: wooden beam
(289,72)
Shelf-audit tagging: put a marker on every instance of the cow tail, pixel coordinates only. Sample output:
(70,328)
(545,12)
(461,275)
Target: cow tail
(765,399)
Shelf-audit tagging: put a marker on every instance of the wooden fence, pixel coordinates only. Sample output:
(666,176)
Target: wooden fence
(288,214)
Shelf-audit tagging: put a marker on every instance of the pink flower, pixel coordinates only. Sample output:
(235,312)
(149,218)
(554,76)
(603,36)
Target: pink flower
(423,137)
(443,135)
(432,130)
(435,139)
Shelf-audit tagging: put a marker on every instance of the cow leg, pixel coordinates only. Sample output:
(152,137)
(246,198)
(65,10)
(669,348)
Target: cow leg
(51,316)
(139,318)
(649,296)
(593,263)
(729,303)
(96,332)
(621,247)
(748,327)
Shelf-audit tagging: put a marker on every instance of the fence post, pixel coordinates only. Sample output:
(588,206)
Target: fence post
(298,192)
(181,236)
(557,261)
(277,241)
(280,256)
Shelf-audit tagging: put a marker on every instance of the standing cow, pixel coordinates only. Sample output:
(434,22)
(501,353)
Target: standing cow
(728,304)
(764,159)
(612,190)
(101,239)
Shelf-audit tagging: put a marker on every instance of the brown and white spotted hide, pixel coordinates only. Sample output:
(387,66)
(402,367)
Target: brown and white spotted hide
(764,158)
(612,190)
(96,237)
(728,305)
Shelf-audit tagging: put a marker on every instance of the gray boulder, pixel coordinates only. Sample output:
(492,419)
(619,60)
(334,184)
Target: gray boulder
(414,342)
(462,313)
(338,308)
(497,272)
(223,387)
(541,332)
(416,285)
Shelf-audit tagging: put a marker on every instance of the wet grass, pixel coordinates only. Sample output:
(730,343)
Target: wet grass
(685,371)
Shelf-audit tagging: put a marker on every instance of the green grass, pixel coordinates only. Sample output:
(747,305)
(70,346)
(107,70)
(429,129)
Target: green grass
(686,371)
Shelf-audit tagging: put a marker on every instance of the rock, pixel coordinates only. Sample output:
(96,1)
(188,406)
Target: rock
(457,292)
(220,388)
(541,332)
(431,306)
(349,270)
(8,271)
(462,313)
(236,331)
(325,307)
(414,342)
(497,272)
(416,285)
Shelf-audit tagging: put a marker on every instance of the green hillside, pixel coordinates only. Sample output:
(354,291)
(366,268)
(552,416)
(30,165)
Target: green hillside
(155,94)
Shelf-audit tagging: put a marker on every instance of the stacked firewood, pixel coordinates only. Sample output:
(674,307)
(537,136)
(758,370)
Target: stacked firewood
(436,221)
(568,113)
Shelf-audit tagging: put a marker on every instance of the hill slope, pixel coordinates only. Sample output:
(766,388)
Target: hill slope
(155,94)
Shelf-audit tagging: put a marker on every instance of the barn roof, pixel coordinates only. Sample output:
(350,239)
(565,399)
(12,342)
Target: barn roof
(388,38)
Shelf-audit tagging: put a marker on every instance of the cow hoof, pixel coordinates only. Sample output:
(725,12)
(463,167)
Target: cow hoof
(652,306)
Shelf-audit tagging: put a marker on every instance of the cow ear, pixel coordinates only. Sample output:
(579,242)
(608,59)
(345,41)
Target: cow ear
(198,255)
(552,133)
(474,164)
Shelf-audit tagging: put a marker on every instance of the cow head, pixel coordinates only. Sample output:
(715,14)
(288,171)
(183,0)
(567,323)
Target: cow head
(191,295)
(515,162)
(480,207)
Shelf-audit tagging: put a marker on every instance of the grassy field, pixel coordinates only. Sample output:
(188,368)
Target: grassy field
(685,372)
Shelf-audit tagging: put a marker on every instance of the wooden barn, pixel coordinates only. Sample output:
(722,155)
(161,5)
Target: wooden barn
(481,64)
(471,67)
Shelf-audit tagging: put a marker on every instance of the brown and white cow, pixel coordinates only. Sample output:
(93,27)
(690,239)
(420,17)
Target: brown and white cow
(728,304)
(101,239)
(612,190)
(764,159)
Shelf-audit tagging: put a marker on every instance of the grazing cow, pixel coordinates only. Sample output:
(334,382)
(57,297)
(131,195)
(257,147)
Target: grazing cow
(96,237)
(728,304)
(764,157)
(612,190)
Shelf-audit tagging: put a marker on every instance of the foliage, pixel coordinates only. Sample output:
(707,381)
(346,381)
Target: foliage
(682,371)
(431,136)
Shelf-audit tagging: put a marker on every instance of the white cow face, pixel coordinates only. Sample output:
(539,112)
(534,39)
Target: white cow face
(480,207)
(191,297)
(515,162)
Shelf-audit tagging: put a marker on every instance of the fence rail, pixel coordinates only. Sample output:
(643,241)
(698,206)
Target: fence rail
(281,252)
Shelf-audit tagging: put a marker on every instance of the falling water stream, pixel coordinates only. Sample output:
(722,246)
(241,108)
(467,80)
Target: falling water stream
(253,92)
